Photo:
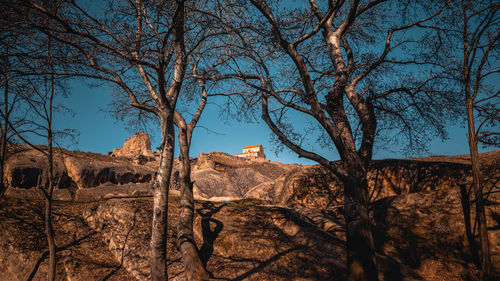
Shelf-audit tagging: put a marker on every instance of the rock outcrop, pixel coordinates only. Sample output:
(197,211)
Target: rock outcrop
(137,146)
(27,168)
(73,170)
(222,175)
(91,173)
(315,187)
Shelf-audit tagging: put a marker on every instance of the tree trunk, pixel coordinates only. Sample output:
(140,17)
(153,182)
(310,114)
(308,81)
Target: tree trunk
(486,266)
(3,151)
(160,205)
(361,260)
(3,145)
(48,194)
(48,216)
(49,231)
(193,266)
(464,196)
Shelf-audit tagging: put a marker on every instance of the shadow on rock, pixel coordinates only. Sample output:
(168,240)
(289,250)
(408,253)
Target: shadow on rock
(206,212)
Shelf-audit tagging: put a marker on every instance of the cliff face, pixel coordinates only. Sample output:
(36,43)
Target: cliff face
(219,175)
(74,172)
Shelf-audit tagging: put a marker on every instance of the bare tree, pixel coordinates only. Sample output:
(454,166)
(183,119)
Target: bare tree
(477,45)
(37,98)
(30,86)
(474,27)
(185,224)
(142,48)
(7,106)
(344,65)
(10,88)
(186,241)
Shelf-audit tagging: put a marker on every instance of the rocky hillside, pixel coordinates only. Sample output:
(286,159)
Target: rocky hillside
(419,236)
(255,220)
(85,176)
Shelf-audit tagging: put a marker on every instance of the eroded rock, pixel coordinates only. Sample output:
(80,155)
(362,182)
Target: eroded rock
(419,236)
(136,146)
(28,168)
(315,187)
(73,170)
(90,173)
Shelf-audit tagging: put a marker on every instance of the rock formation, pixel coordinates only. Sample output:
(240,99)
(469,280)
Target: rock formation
(73,170)
(313,186)
(222,175)
(136,146)
(255,220)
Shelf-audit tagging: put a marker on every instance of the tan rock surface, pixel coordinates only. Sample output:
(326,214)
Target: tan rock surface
(82,253)
(419,236)
(314,187)
(87,172)
(27,168)
(74,170)
(138,144)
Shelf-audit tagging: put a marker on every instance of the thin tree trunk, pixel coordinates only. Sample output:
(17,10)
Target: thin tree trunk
(193,267)
(3,157)
(468,229)
(486,266)
(49,231)
(3,148)
(48,216)
(48,198)
(160,201)
(361,259)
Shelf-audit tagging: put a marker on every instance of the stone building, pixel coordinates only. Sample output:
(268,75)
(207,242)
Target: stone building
(252,152)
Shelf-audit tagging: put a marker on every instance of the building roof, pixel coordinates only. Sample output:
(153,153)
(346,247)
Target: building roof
(250,146)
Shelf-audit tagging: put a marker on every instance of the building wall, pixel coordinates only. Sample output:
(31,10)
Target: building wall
(252,152)
(252,149)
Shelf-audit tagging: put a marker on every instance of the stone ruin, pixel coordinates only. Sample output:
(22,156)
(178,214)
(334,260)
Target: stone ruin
(137,147)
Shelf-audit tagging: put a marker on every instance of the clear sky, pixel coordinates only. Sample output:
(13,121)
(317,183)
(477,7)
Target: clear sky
(100,133)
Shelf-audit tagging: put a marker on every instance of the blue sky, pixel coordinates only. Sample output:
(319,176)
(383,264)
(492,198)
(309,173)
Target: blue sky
(99,132)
